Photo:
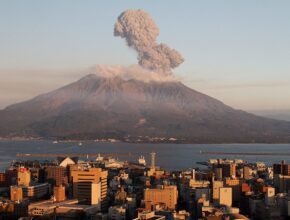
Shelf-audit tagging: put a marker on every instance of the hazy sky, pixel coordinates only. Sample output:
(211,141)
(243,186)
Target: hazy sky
(236,51)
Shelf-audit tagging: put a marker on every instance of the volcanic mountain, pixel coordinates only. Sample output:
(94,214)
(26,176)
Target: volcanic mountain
(130,110)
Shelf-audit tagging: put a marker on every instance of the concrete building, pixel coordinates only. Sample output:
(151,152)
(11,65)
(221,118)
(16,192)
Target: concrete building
(216,185)
(218,173)
(148,215)
(36,191)
(202,193)
(166,195)
(13,210)
(228,170)
(96,198)
(247,173)
(121,196)
(288,207)
(281,182)
(76,212)
(85,185)
(23,177)
(3,182)
(198,183)
(282,168)
(46,207)
(16,193)
(267,212)
(117,213)
(235,184)
(270,196)
(56,175)
(11,176)
(59,193)
(225,196)
(68,209)
(181,215)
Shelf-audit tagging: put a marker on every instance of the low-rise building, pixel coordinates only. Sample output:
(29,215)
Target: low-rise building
(166,195)
(149,215)
(117,213)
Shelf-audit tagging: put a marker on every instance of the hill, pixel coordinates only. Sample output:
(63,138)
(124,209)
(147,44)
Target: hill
(132,110)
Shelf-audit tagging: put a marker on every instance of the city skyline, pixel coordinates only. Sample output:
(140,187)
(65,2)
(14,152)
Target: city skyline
(236,52)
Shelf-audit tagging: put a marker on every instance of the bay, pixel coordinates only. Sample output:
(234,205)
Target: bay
(168,156)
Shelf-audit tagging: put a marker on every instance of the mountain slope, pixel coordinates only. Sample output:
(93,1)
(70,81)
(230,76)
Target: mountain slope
(96,107)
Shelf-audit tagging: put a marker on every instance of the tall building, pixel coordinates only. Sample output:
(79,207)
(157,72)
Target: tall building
(96,197)
(3,181)
(225,197)
(218,173)
(235,184)
(16,193)
(282,176)
(223,169)
(59,193)
(247,173)
(56,175)
(277,168)
(167,195)
(282,183)
(282,168)
(286,169)
(23,177)
(228,169)
(11,176)
(84,185)
(37,174)
(216,185)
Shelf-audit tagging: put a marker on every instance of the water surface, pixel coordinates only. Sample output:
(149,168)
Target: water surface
(168,156)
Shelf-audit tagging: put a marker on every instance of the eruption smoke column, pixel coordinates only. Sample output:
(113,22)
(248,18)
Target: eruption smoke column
(140,32)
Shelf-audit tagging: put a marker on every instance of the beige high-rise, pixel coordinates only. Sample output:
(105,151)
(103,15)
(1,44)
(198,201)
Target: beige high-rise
(84,185)
(225,197)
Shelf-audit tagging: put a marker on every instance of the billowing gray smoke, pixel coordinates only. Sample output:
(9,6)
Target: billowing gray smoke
(140,32)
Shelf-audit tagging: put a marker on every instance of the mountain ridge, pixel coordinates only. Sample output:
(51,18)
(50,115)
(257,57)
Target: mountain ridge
(97,107)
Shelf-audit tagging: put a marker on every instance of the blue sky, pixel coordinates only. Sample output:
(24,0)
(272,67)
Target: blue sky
(236,51)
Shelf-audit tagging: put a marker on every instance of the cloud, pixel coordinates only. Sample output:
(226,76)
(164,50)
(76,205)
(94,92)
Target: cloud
(17,85)
(131,72)
(254,85)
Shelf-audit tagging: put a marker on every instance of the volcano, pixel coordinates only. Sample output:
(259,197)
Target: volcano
(97,107)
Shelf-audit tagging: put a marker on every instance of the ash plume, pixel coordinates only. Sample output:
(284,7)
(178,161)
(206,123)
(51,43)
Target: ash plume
(140,33)
(131,72)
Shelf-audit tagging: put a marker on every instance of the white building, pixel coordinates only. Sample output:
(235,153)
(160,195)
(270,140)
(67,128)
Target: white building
(225,196)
